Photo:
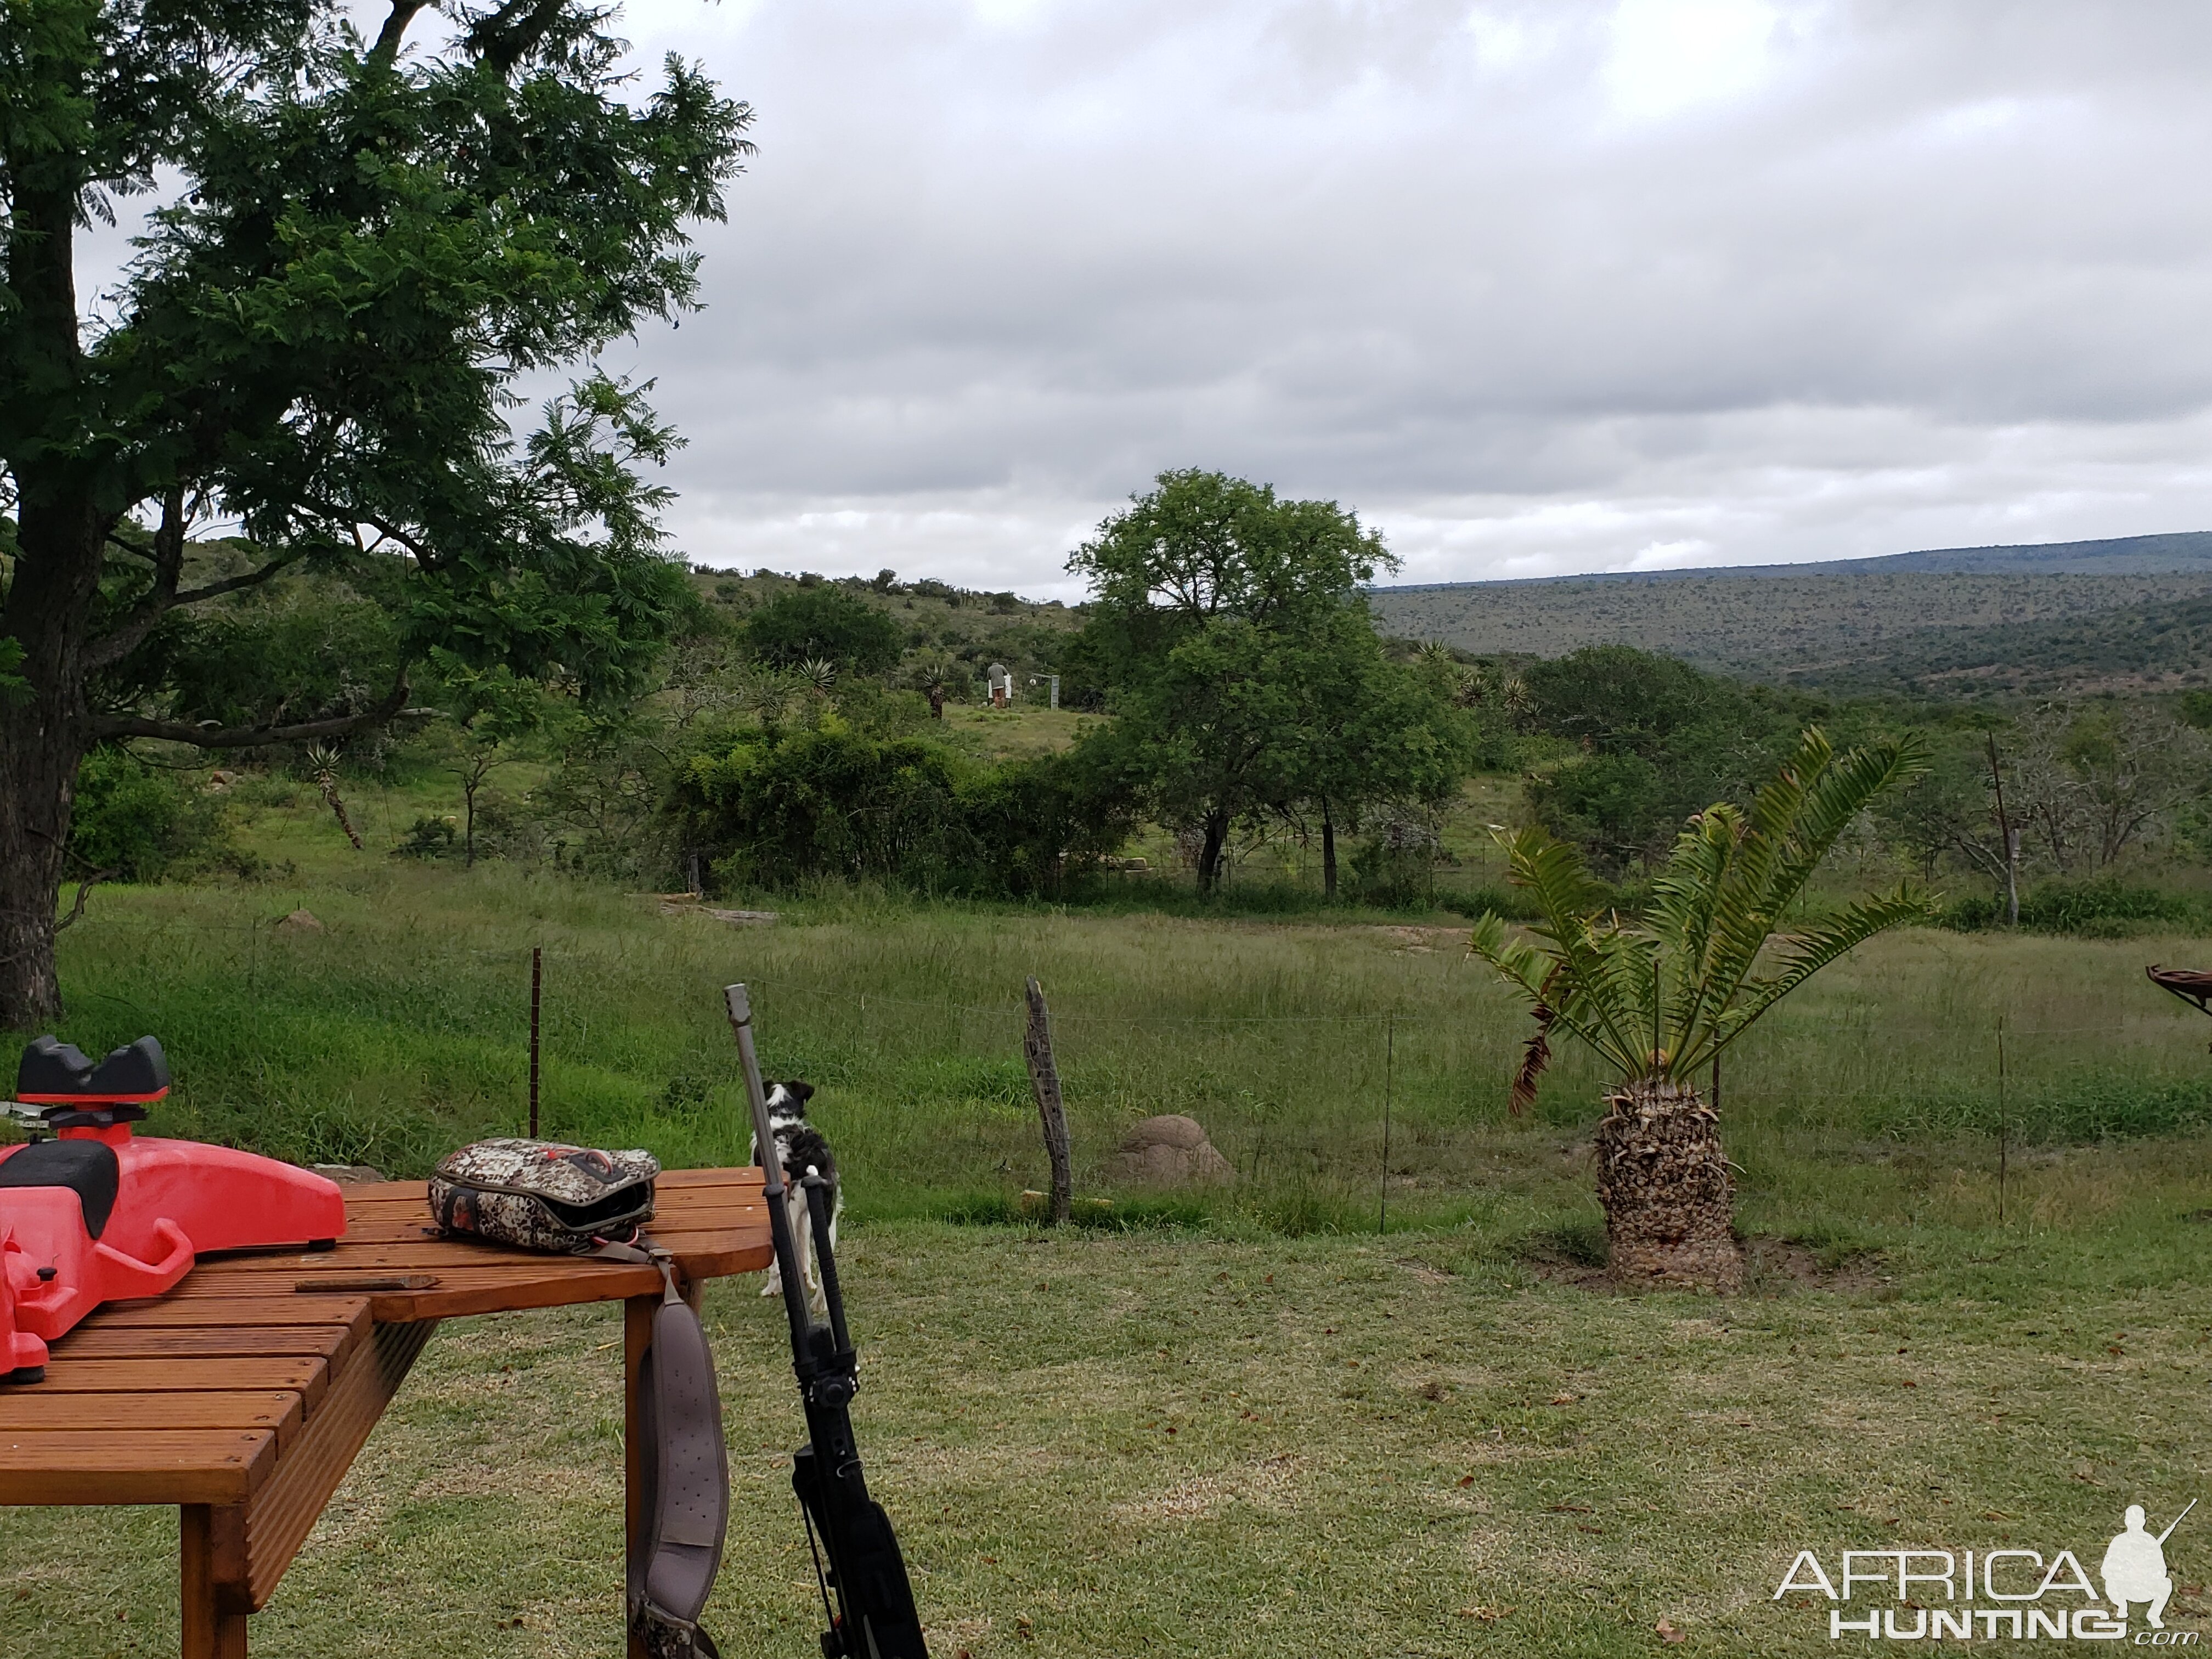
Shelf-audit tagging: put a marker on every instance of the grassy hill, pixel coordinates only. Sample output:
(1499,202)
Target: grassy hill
(2128,615)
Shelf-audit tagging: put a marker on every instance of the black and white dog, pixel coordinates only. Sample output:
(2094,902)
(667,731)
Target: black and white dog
(799,1144)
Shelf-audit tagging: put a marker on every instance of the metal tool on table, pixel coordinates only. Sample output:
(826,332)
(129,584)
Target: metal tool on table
(873,1616)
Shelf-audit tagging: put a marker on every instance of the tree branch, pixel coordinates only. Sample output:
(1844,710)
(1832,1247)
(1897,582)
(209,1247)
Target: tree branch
(353,520)
(255,737)
(386,52)
(83,892)
(129,633)
(503,39)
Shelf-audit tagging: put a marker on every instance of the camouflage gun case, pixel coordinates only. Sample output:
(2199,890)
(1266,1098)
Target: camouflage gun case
(543,1195)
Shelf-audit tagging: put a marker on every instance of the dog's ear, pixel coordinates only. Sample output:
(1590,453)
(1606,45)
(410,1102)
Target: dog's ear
(801,1092)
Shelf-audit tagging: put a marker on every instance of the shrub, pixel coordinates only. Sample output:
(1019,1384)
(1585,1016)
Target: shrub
(825,623)
(2104,906)
(429,837)
(780,808)
(142,822)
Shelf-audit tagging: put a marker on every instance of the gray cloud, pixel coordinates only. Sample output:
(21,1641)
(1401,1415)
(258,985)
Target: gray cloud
(1538,287)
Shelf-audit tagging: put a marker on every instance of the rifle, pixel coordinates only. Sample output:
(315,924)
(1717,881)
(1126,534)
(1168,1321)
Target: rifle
(874,1617)
(2177,1520)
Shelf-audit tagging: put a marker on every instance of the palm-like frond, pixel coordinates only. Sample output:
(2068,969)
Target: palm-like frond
(1662,997)
(1810,949)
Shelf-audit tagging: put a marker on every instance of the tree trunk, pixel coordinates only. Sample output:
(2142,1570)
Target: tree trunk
(59,538)
(42,738)
(1209,856)
(1328,853)
(1669,1202)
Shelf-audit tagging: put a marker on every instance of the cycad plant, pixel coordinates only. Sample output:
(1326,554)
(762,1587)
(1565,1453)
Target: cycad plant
(1658,997)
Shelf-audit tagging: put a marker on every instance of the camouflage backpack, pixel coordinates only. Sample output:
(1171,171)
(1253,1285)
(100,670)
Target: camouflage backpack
(543,1196)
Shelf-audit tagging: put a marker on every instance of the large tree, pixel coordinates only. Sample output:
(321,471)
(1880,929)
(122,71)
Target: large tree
(1240,664)
(358,247)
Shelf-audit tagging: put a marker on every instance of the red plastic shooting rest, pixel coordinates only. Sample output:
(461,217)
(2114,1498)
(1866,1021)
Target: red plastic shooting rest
(96,1215)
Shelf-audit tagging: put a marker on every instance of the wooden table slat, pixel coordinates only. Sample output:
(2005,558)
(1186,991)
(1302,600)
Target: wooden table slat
(207,1304)
(254,1275)
(280,1411)
(298,1373)
(325,1342)
(161,1465)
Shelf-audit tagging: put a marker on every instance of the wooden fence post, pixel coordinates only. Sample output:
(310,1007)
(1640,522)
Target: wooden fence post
(1044,1082)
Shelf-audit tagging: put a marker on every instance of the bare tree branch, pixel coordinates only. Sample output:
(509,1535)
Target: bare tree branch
(255,737)
(83,892)
(168,559)
(386,52)
(353,519)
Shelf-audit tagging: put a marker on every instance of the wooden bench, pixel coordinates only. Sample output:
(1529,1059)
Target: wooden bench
(244,1401)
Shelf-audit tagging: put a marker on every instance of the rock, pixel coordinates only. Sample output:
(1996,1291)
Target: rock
(1169,1152)
(300,921)
(345,1174)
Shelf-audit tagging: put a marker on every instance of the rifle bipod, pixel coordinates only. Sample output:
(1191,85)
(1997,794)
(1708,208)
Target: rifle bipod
(866,1596)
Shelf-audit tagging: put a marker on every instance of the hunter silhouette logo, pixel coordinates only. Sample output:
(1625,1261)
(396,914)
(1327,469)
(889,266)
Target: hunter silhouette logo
(2022,1593)
(2135,1567)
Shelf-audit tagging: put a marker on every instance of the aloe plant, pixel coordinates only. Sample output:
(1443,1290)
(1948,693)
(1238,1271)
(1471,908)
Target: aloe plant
(1658,997)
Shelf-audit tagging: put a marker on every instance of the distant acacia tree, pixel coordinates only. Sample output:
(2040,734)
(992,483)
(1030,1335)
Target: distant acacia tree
(1240,664)
(364,244)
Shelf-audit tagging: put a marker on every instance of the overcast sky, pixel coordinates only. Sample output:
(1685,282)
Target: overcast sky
(1535,288)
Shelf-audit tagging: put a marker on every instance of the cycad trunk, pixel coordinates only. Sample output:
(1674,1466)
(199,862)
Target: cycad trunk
(1669,1202)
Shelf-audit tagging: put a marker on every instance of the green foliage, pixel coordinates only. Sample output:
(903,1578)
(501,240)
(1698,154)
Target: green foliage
(302,642)
(1239,661)
(432,836)
(13,686)
(2105,906)
(1661,996)
(1654,740)
(1963,634)
(781,807)
(1614,700)
(1615,807)
(138,822)
(825,623)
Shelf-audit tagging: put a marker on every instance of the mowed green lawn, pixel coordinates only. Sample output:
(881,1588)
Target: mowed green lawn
(1242,1422)
(1101,1444)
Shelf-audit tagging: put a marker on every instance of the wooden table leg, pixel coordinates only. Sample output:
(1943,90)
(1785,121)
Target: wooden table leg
(209,1630)
(637,1336)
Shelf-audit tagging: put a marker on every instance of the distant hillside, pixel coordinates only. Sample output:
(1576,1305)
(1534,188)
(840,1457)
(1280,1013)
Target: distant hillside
(2186,552)
(2160,646)
(2123,615)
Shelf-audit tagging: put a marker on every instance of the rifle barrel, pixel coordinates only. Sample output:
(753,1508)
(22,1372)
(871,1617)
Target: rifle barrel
(773,1187)
(2176,1520)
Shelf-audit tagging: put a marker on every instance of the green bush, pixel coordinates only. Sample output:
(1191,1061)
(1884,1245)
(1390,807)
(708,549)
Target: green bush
(2102,907)
(776,809)
(824,622)
(142,822)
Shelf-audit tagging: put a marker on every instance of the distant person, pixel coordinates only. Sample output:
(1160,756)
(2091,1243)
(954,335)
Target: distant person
(2135,1570)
